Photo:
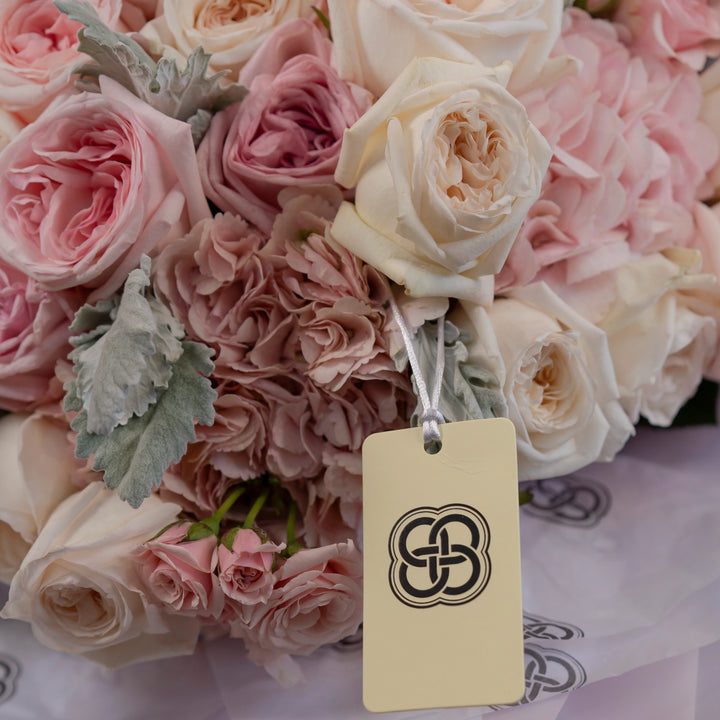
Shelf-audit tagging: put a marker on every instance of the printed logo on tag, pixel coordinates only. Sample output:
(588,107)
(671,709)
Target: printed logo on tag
(442,602)
(439,556)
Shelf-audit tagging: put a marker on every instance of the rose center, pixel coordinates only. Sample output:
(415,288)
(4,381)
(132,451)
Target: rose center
(472,147)
(78,607)
(224,12)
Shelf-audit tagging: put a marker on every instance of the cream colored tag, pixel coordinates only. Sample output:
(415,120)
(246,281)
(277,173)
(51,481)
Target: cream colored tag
(442,597)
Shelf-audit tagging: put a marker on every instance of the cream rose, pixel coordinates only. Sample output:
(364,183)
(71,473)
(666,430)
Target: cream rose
(231,31)
(446,166)
(557,378)
(376,39)
(660,345)
(37,466)
(79,587)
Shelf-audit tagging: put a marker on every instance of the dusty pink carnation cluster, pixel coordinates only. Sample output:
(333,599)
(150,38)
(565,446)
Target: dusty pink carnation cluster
(302,366)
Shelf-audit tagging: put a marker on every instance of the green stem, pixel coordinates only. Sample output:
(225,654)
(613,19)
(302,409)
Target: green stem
(291,524)
(214,522)
(255,509)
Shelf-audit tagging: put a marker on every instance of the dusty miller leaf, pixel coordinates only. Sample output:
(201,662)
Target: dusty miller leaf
(134,456)
(468,391)
(186,95)
(120,367)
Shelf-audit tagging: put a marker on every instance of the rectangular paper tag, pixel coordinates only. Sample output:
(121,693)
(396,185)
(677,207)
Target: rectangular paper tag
(442,595)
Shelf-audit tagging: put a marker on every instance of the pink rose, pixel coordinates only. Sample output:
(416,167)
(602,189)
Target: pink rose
(179,575)
(245,569)
(38,51)
(685,30)
(34,332)
(287,131)
(317,599)
(92,185)
(10,125)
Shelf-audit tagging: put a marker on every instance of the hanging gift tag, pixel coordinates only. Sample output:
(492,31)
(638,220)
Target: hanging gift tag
(442,597)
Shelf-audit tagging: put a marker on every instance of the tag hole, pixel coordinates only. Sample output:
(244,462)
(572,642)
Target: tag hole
(433,447)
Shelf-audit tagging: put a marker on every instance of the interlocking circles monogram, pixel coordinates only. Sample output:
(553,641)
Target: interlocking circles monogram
(439,556)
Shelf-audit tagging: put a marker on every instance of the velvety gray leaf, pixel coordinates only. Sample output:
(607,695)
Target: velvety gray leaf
(134,456)
(186,95)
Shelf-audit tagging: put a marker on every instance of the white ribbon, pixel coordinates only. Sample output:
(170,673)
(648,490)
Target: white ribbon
(431,416)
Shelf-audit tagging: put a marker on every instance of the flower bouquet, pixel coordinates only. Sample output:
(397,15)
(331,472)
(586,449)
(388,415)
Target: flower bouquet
(222,224)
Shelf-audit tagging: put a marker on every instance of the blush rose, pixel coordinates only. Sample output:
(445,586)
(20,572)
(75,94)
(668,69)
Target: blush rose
(96,182)
(317,599)
(180,574)
(245,567)
(38,51)
(37,474)
(79,586)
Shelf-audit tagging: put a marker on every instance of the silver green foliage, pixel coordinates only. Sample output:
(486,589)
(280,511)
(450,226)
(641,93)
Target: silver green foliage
(121,365)
(468,391)
(137,389)
(134,456)
(186,95)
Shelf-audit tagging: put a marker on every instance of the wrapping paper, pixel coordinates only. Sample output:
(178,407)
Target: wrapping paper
(621,593)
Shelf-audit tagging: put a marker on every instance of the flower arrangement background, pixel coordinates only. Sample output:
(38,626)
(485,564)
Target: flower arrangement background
(198,253)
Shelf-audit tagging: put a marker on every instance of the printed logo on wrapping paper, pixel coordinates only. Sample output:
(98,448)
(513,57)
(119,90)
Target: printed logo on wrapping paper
(9,671)
(548,672)
(541,628)
(572,500)
(439,556)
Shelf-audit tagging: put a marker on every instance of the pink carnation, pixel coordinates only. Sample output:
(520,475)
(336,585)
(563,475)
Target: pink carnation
(685,30)
(287,131)
(181,575)
(237,439)
(226,294)
(34,333)
(195,484)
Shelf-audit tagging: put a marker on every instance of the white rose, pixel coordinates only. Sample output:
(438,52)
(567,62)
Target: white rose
(79,586)
(556,374)
(36,476)
(446,166)
(231,31)
(710,115)
(375,39)
(659,345)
